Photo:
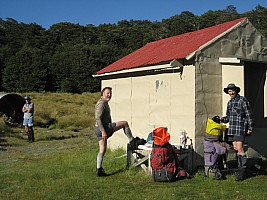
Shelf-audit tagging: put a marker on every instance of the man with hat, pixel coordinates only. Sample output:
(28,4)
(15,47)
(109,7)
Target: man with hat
(239,116)
(28,110)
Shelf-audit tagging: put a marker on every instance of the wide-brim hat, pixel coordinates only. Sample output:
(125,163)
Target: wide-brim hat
(231,86)
(27,98)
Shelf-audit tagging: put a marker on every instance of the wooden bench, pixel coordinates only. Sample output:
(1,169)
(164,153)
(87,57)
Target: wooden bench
(140,156)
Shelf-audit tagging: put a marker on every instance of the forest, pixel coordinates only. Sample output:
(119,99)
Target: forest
(64,57)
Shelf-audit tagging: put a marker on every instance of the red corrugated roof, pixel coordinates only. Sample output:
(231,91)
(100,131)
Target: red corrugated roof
(167,49)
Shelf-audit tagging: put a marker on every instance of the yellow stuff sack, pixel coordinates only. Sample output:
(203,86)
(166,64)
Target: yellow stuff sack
(214,128)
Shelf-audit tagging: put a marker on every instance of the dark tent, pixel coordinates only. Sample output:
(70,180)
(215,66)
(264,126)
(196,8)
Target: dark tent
(11,108)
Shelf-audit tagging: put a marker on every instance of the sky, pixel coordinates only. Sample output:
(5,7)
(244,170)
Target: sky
(84,12)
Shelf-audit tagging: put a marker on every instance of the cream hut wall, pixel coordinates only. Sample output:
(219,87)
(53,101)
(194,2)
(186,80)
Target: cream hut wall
(178,83)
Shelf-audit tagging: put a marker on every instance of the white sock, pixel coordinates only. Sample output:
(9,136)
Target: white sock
(128,133)
(99,160)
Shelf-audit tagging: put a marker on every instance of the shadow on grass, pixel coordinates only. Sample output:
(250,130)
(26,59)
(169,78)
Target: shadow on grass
(13,135)
(62,137)
(4,143)
(2,140)
(116,172)
(45,123)
(3,146)
(2,149)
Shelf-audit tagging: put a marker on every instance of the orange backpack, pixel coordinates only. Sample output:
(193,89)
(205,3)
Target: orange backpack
(160,136)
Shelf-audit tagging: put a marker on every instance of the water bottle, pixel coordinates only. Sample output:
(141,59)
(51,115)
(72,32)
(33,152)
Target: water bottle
(182,138)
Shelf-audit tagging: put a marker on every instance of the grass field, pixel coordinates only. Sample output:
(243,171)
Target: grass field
(61,163)
(64,110)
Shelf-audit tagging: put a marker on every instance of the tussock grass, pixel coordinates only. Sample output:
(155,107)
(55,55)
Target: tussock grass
(64,110)
(4,128)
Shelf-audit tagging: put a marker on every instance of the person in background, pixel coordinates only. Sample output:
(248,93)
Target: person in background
(239,116)
(104,127)
(28,110)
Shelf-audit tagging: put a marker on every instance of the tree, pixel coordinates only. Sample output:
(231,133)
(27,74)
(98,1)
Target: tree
(212,18)
(229,13)
(64,57)
(25,71)
(258,18)
(5,52)
(179,24)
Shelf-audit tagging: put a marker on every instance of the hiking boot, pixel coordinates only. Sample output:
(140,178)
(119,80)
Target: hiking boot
(241,174)
(101,172)
(133,143)
(136,141)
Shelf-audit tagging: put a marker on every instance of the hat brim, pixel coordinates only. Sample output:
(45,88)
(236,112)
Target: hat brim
(235,88)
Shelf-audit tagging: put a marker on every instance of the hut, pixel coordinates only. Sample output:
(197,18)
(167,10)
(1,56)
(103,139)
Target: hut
(178,82)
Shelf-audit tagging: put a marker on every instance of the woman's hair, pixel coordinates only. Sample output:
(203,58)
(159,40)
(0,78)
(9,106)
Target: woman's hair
(105,88)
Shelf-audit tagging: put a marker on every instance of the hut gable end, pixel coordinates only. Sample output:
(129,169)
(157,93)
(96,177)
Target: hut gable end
(244,42)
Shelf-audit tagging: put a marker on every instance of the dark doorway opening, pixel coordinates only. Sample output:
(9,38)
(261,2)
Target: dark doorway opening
(255,79)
